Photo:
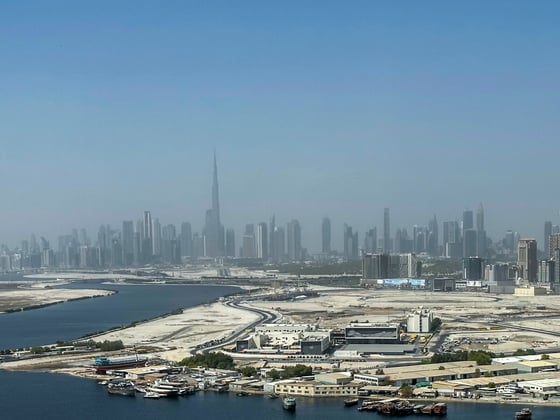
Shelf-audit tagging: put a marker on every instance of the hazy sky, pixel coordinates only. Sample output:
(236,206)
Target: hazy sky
(109,108)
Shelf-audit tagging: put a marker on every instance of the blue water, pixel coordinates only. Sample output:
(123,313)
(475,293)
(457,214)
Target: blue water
(71,320)
(54,396)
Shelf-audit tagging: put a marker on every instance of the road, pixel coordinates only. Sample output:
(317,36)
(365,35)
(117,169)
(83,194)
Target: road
(264,317)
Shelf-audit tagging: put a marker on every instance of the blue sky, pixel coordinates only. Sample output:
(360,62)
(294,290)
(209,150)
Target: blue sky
(315,108)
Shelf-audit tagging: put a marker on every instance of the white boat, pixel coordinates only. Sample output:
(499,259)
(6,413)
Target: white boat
(154,395)
(289,403)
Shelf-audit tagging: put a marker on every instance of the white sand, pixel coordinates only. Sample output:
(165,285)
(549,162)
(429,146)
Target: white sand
(177,335)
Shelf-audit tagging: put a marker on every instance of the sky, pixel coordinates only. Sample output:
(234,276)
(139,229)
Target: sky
(315,108)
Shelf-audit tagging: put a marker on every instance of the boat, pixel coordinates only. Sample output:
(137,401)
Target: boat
(427,409)
(289,403)
(121,387)
(440,409)
(163,390)
(272,396)
(351,402)
(153,395)
(524,414)
(103,364)
(417,409)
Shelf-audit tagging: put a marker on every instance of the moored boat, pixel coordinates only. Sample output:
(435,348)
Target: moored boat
(121,387)
(103,364)
(349,402)
(427,409)
(153,395)
(289,403)
(440,409)
(417,409)
(524,414)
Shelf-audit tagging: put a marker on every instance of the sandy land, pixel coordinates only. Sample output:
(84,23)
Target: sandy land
(176,335)
(40,294)
(463,314)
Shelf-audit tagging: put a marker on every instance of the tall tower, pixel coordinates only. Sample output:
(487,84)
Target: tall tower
(147,229)
(261,242)
(214,231)
(294,241)
(326,236)
(386,232)
(480,233)
(547,233)
(527,259)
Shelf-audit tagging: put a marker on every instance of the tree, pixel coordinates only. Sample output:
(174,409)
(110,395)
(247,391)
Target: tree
(435,325)
(491,385)
(273,374)
(217,360)
(406,391)
(248,371)
(545,357)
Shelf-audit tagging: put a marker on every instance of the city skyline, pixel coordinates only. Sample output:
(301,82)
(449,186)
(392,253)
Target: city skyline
(151,242)
(112,111)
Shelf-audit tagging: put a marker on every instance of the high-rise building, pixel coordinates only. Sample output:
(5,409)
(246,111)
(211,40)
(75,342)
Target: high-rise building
(469,243)
(370,241)
(230,243)
(326,235)
(147,244)
(386,231)
(213,230)
(547,233)
(169,248)
(350,243)
(480,233)
(294,241)
(527,259)
(279,241)
(156,238)
(432,240)
(271,239)
(186,239)
(472,268)
(468,222)
(128,243)
(261,241)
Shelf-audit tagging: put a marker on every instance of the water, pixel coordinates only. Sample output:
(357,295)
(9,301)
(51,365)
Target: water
(52,396)
(71,320)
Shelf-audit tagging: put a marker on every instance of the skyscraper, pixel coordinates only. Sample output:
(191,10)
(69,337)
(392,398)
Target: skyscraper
(294,241)
(186,239)
(547,233)
(156,238)
(527,259)
(213,230)
(468,222)
(452,239)
(147,244)
(230,243)
(386,232)
(128,243)
(350,243)
(262,241)
(480,233)
(326,235)
(432,240)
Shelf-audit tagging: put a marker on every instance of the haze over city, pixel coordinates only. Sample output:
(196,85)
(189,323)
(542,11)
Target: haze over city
(332,110)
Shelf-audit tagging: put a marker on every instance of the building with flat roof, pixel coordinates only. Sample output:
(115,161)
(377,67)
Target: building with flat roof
(366,333)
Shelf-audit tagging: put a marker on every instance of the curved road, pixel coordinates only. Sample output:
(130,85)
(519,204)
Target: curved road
(264,317)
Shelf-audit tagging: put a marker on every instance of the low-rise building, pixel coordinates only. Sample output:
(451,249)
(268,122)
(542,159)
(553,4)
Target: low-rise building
(317,389)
